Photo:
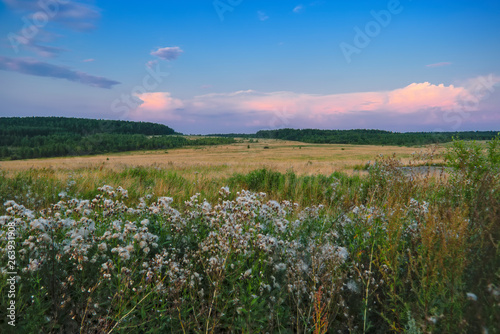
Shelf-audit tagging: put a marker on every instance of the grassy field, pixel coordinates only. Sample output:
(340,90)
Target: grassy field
(223,160)
(285,239)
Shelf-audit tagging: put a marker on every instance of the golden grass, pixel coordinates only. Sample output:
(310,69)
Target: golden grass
(224,160)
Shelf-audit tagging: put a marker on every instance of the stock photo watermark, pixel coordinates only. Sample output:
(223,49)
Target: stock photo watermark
(33,23)
(150,82)
(480,89)
(281,119)
(373,28)
(11,274)
(223,6)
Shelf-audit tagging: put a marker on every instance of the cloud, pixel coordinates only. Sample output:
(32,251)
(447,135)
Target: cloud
(414,97)
(152,63)
(153,106)
(32,42)
(298,9)
(168,53)
(414,106)
(45,50)
(43,69)
(439,64)
(73,15)
(38,14)
(262,16)
(88,60)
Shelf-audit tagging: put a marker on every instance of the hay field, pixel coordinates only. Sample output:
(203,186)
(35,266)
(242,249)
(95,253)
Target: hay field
(223,160)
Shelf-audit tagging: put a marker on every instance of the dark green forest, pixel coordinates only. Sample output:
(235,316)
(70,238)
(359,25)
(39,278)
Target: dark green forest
(36,137)
(367,137)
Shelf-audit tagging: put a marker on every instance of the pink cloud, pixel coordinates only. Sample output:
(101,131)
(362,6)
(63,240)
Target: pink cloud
(418,103)
(424,96)
(411,98)
(88,60)
(439,64)
(155,105)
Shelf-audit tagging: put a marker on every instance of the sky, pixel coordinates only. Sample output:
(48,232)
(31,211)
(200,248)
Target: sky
(239,66)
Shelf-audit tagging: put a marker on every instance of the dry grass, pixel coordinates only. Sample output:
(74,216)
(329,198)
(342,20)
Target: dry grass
(223,160)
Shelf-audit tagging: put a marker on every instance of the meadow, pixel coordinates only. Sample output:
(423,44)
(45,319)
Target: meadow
(267,236)
(245,156)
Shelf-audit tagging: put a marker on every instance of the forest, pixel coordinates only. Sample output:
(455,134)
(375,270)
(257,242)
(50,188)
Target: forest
(37,137)
(373,137)
(367,137)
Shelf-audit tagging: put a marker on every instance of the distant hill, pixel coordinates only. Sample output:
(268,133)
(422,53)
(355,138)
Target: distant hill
(35,137)
(366,137)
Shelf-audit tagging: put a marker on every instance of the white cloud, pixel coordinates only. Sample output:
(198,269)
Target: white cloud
(168,53)
(415,106)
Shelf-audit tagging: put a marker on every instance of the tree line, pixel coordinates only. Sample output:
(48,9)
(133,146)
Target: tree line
(367,137)
(37,137)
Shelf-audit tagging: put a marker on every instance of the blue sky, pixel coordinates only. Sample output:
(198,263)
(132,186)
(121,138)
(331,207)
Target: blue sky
(240,65)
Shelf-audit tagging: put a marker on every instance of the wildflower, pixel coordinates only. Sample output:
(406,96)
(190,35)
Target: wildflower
(342,254)
(432,319)
(280,266)
(165,201)
(351,285)
(471,296)
(224,191)
(247,273)
(33,265)
(125,255)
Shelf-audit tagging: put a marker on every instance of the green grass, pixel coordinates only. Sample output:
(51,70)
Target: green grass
(387,252)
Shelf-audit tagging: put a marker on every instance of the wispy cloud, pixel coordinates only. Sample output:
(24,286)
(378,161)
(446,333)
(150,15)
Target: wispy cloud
(439,64)
(43,69)
(88,60)
(44,50)
(33,42)
(73,15)
(262,16)
(298,9)
(36,15)
(168,53)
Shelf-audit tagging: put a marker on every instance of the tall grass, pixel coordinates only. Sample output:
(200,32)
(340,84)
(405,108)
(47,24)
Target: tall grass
(394,251)
(38,188)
